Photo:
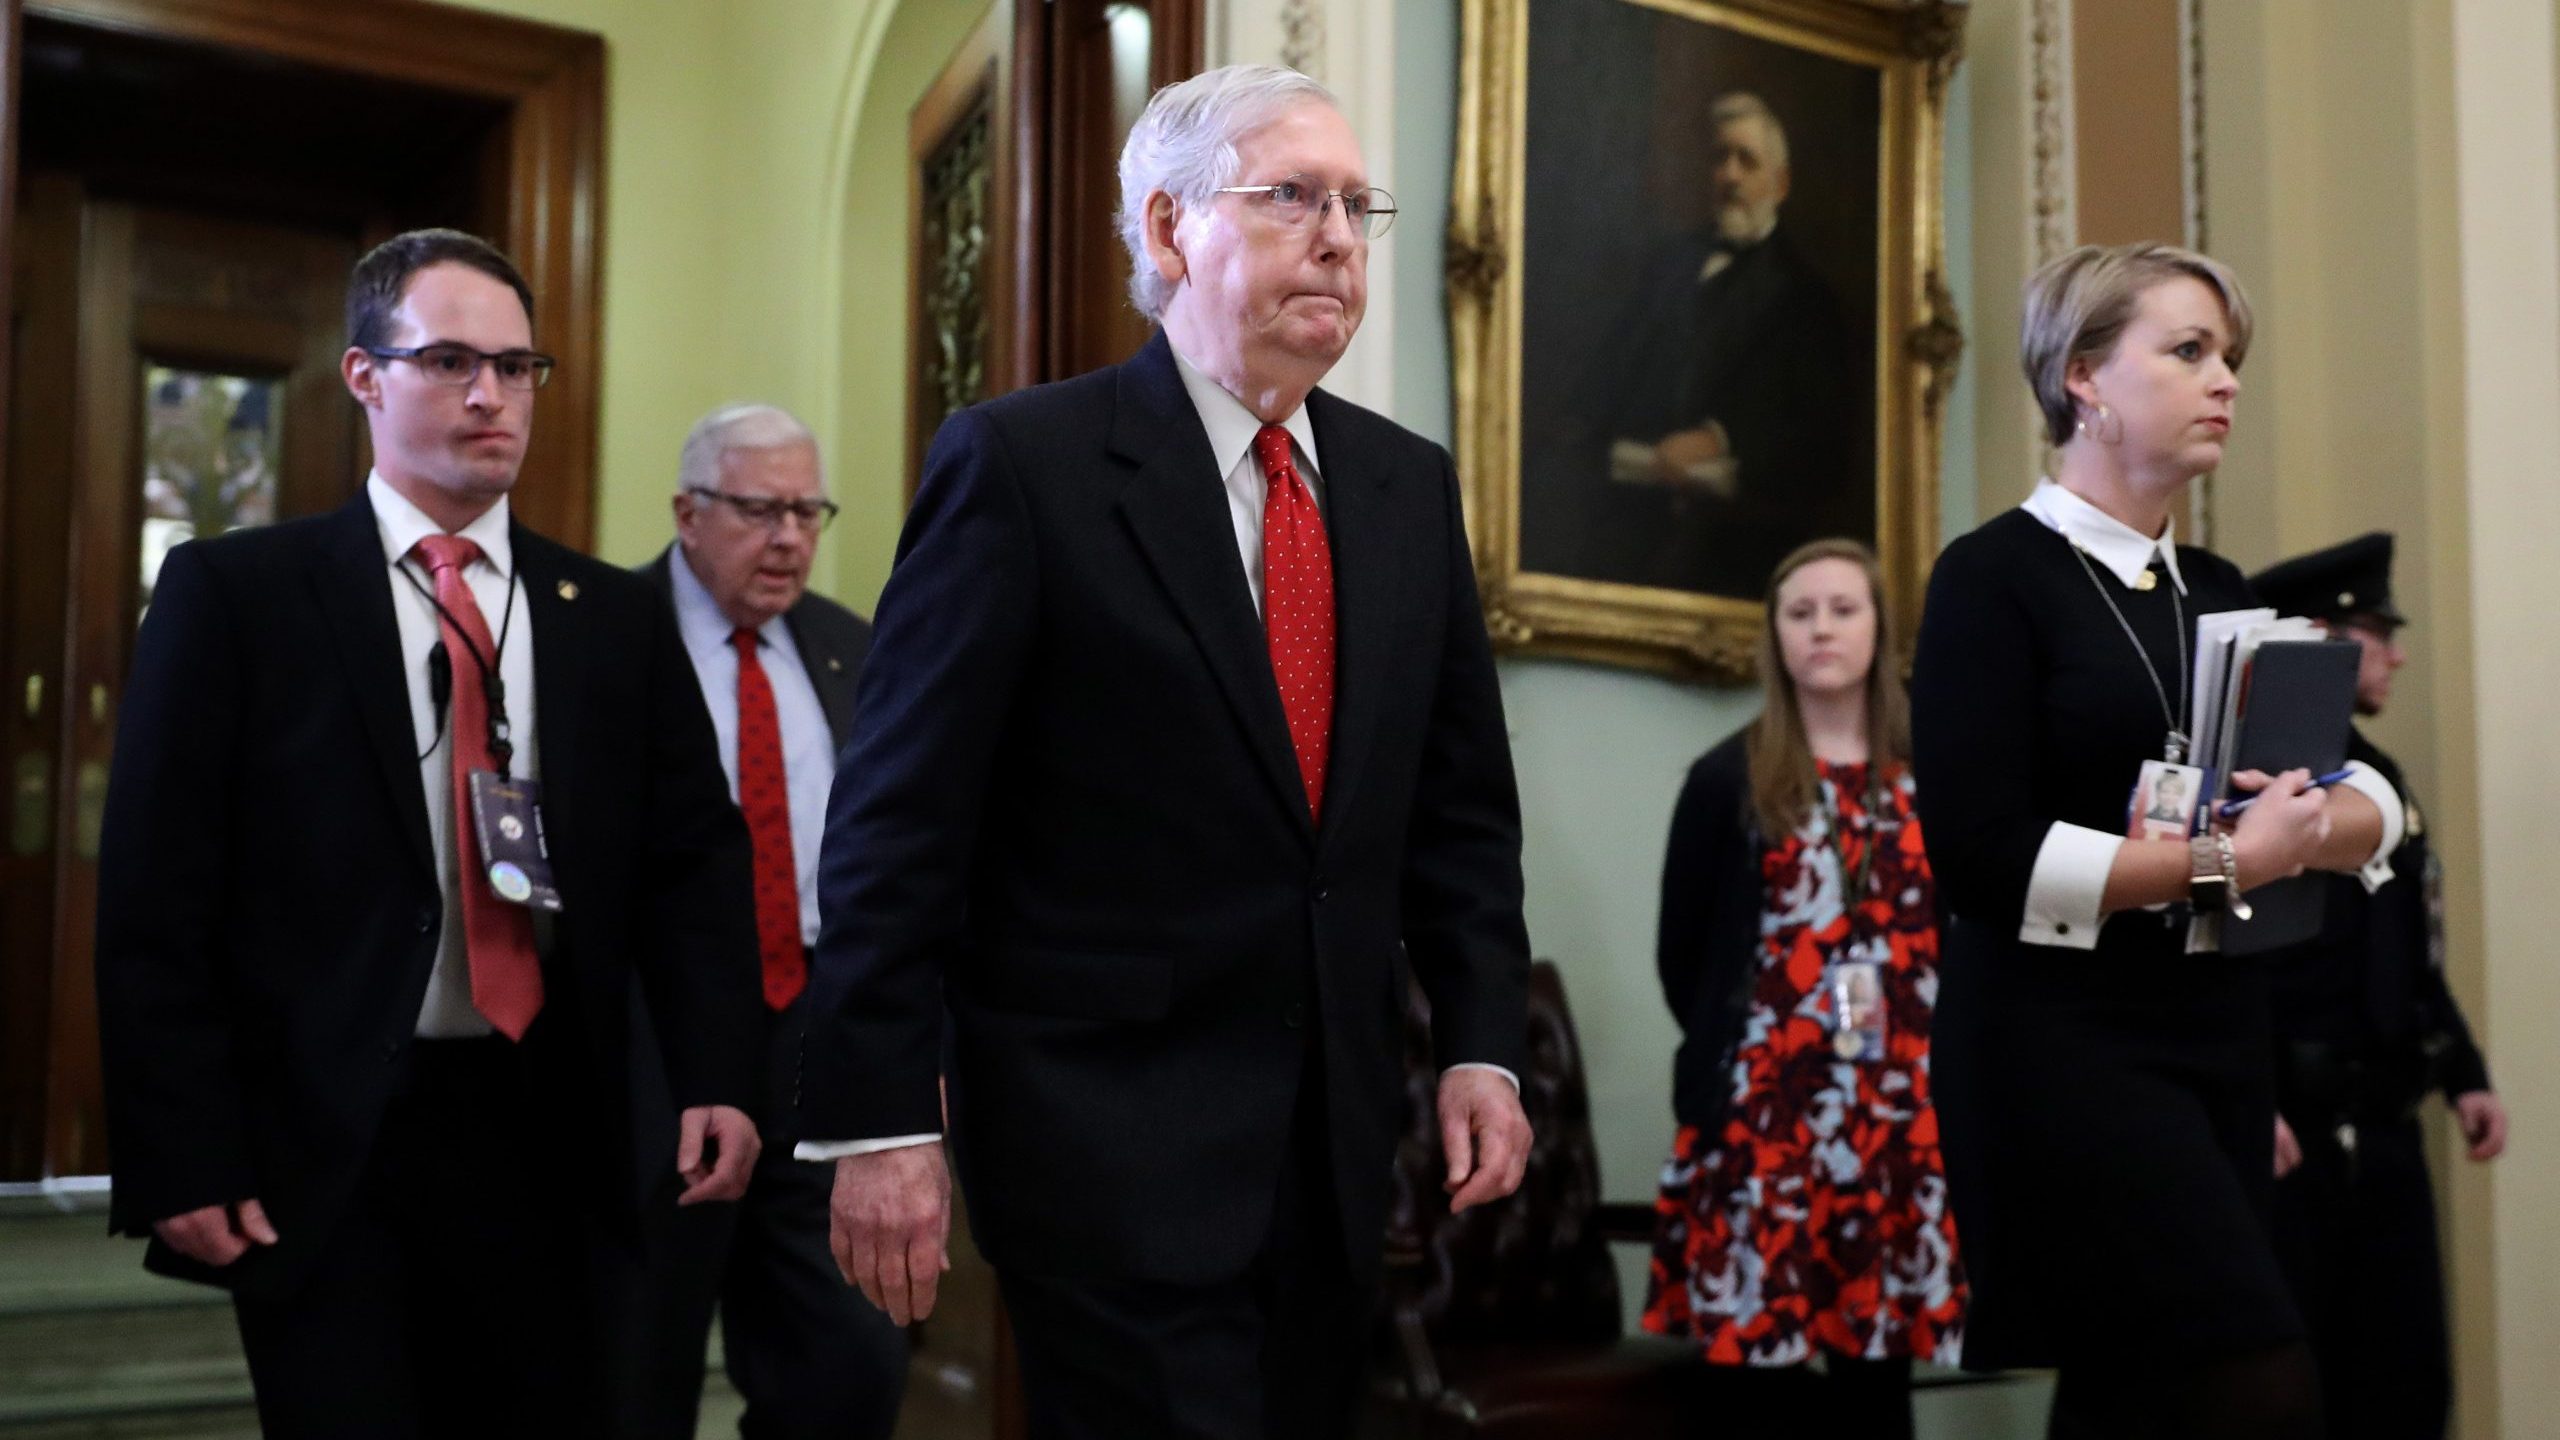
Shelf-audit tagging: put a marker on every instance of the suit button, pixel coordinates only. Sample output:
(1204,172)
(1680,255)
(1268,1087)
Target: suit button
(391,1048)
(1322,894)
(427,919)
(1295,1017)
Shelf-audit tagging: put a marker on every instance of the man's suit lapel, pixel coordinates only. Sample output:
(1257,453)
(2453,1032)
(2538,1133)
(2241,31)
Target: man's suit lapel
(561,641)
(1176,506)
(830,673)
(1366,585)
(354,592)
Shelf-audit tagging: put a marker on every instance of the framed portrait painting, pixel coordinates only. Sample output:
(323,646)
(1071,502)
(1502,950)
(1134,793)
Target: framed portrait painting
(1697,307)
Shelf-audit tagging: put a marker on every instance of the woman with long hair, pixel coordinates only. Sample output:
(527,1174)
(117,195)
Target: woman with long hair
(2104,1072)
(1803,1212)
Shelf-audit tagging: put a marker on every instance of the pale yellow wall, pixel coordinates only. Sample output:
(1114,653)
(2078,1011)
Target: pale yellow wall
(730,131)
(2387,190)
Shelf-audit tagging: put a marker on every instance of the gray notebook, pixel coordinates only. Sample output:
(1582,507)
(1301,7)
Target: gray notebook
(2295,711)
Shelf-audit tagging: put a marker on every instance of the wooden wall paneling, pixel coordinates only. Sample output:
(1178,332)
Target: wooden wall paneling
(35,524)
(99,624)
(544,170)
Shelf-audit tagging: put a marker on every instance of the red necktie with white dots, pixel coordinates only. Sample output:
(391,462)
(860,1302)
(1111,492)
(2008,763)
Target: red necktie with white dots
(497,938)
(1297,608)
(765,800)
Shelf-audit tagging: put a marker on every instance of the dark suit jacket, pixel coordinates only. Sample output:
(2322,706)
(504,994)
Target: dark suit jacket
(832,641)
(1070,811)
(1708,944)
(268,909)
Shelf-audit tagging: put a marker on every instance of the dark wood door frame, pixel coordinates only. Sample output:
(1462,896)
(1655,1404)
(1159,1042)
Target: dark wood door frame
(545,171)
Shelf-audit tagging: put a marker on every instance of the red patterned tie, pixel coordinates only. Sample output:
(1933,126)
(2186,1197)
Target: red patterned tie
(506,973)
(1297,608)
(766,801)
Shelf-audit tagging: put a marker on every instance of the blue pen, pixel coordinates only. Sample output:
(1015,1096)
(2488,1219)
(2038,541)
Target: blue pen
(2230,809)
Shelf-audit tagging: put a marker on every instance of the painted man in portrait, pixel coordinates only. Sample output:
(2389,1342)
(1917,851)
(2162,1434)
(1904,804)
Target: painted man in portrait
(1730,405)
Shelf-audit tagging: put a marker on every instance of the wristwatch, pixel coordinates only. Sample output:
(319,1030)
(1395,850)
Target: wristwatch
(2213,877)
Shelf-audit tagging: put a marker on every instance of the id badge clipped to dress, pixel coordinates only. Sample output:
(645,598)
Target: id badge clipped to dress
(1857,1010)
(506,814)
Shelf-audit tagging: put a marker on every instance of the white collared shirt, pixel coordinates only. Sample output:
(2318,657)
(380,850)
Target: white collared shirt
(447,1013)
(808,746)
(2067,888)
(1231,428)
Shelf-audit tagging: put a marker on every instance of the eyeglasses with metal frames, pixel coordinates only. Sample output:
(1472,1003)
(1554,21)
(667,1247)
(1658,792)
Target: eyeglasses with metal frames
(768,511)
(447,363)
(1299,201)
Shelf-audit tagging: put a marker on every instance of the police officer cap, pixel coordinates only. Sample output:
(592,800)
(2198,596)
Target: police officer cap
(2353,578)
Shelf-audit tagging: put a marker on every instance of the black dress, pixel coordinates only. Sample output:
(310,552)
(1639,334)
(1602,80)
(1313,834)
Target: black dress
(2108,1113)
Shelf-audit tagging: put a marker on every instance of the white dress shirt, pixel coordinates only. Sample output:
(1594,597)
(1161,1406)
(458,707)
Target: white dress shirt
(2067,887)
(1231,428)
(808,747)
(447,1013)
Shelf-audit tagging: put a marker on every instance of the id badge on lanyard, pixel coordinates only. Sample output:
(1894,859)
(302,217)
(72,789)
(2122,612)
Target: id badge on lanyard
(1857,1009)
(507,816)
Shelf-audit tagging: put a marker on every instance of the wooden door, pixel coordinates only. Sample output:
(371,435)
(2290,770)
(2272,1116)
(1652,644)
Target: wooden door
(176,376)
(1101,60)
(191,181)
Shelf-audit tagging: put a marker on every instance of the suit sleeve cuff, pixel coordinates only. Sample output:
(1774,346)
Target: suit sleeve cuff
(1501,1070)
(2068,886)
(840,1149)
(2368,782)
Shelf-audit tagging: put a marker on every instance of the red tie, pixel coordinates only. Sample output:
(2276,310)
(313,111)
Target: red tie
(1297,608)
(506,973)
(766,802)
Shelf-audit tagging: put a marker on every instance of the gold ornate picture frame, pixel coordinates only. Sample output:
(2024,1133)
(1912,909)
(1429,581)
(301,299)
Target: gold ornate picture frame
(1697,309)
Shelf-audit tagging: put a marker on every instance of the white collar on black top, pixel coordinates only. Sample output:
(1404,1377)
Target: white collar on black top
(1232,427)
(2123,550)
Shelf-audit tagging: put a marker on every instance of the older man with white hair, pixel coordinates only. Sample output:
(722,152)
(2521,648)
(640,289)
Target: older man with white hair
(1179,751)
(777,666)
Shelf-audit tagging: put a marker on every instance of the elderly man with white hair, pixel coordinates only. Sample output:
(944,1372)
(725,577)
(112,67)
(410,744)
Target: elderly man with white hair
(1179,753)
(777,667)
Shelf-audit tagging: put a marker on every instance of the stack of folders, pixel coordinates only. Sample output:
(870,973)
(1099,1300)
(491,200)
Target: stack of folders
(2274,695)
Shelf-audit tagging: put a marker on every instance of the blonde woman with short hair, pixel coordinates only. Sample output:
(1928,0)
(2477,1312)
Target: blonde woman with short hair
(2103,1072)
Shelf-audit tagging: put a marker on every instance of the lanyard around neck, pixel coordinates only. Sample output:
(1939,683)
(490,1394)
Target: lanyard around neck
(2174,748)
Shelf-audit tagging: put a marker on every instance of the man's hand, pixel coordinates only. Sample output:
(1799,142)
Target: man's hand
(719,1170)
(217,1234)
(889,1224)
(1485,1135)
(2288,1149)
(2484,1123)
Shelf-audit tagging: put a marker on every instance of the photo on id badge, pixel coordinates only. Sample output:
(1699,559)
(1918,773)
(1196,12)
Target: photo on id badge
(2164,802)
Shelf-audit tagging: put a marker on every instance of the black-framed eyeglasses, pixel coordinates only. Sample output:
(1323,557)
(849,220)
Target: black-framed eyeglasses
(768,511)
(447,363)
(1300,201)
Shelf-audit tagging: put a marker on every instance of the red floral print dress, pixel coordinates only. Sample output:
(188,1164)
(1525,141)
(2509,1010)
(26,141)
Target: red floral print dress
(1816,1218)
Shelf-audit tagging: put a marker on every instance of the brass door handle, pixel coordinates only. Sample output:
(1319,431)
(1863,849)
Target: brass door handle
(91,805)
(31,804)
(35,696)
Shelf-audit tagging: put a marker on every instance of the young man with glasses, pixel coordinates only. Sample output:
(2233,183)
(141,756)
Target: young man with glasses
(408,801)
(777,666)
(1179,752)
